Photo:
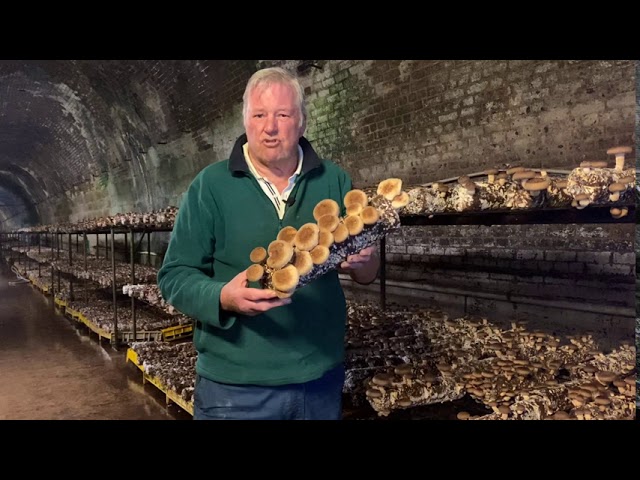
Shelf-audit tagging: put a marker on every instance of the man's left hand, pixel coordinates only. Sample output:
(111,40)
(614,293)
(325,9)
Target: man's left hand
(360,260)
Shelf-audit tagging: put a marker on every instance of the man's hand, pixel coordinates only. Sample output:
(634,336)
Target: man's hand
(236,297)
(362,267)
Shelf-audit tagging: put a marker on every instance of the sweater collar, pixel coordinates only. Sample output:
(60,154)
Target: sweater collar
(237,162)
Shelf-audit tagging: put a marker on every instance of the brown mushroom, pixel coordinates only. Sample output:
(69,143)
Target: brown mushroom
(390,188)
(280,253)
(354,209)
(307,237)
(328,222)
(369,215)
(356,196)
(285,279)
(341,233)
(325,238)
(354,224)
(619,153)
(319,254)
(326,207)
(400,201)
(615,189)
(255,272)
(303,262)
(287,234)
(491,174)
(258,255)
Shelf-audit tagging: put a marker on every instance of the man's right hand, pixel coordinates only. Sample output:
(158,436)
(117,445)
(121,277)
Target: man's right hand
(235,296)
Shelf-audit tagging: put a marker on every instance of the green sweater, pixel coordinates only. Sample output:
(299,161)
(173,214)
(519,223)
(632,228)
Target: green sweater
(223,216)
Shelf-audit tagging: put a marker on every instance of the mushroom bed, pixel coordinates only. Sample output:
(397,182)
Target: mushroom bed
(408,357)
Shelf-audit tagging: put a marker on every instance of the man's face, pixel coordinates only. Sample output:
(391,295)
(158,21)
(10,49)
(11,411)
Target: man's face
(273,124)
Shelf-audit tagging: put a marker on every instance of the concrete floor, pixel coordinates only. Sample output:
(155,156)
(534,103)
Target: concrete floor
(54,369)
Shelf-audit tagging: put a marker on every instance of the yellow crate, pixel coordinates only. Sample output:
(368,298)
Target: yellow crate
(178,331)
(171,396)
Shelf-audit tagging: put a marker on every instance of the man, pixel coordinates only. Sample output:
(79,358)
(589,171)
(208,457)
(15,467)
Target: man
(259,356)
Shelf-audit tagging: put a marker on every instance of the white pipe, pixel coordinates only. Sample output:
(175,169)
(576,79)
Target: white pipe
(560,304)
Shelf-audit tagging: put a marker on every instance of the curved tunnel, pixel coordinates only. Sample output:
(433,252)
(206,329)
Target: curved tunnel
(79,139)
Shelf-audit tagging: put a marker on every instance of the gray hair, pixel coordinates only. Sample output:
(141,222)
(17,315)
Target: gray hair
(271,76)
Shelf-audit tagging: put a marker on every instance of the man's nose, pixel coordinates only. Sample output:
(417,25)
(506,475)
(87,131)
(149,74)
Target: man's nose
(271,125)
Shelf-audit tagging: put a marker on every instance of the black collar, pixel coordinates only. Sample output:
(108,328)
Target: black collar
(237,162)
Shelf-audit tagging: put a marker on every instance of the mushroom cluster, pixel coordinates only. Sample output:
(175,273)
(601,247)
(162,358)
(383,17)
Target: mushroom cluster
(518,187)
(151,294)
(174,364)
(299,256)
(517,373)
(162,218)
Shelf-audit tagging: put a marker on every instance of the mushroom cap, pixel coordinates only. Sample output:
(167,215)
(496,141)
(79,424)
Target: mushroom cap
(491,171)
(258,255)
(319,254)
(327,206)
(617,150)
(561,183)
(605,377)
(512,170)
(400,201)
(463,415)
(288,234)
(341,233)
(255,272)
(373,393)
(462,179)
(354,224)
(594,164)
(280,253)
(403,369)
(307,236)
(581,196)
(285,279)
(536,184)
(561,415)
(369,215)
(354,209)
(303,262)
(627,180)
(601,400)
(390,188)
(617,187)
(356,196)
(325,238)
(328,223)
(382,379)
(281,294)
(525,174)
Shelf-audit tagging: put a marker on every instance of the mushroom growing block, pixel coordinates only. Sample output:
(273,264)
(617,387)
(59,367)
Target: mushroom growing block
(316,248)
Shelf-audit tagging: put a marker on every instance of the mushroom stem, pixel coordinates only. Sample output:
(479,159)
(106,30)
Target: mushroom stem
(619,162)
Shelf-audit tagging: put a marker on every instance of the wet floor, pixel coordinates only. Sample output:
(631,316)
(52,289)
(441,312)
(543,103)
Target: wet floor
(52,368)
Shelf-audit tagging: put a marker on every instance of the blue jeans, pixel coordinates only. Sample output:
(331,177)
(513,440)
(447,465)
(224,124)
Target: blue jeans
(319,399)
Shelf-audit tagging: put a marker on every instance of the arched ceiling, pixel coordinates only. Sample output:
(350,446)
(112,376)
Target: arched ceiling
(65,122)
